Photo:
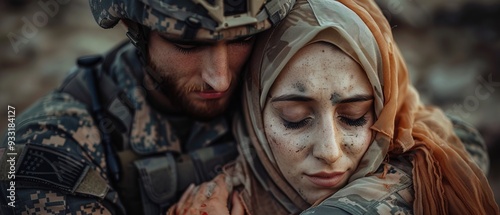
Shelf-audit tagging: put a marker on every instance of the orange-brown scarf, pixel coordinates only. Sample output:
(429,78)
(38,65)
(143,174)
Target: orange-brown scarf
(446,180)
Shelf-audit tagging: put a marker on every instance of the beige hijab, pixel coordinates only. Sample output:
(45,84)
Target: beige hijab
(446,181)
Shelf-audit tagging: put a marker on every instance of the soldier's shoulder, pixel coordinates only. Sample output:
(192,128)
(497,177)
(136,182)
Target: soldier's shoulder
(60,122)
(473,142)
(55,133)
(466,132)
(55,111)
(53,105)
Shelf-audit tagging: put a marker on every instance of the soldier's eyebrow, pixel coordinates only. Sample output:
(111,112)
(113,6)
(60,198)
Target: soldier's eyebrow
(201,42)
(187,42)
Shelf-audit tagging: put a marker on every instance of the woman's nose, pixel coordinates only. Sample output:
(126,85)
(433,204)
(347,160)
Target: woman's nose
(327,146)
(215,71)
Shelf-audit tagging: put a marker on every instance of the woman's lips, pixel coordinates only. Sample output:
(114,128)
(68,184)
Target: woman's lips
(211,94)
(324,179)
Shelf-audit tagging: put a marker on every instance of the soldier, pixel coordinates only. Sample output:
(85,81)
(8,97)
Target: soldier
(128,131)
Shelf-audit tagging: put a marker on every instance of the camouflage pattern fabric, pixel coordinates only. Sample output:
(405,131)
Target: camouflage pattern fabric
(393,193)
(222,20)
(61,122)
(473,142)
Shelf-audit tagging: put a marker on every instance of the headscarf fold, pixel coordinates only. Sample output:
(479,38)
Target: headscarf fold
(446,181)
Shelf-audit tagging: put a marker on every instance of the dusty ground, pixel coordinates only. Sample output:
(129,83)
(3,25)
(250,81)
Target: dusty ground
(451,49)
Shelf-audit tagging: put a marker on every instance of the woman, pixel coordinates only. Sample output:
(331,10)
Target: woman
(332,126)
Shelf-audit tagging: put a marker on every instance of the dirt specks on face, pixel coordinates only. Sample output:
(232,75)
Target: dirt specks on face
(300,87)
(335,98)
(300,149)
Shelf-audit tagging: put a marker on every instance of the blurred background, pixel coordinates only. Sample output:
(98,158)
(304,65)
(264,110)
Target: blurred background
(452,49)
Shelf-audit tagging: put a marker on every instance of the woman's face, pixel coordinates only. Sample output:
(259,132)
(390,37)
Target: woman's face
(317,119)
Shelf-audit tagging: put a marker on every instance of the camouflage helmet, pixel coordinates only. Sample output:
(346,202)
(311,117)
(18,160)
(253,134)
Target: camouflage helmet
(194,19)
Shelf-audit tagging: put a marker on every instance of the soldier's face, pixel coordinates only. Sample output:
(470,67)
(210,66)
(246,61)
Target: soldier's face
(198,78)
(317,120)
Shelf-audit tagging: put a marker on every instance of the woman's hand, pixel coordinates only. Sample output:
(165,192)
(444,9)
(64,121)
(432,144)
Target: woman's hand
(210,198)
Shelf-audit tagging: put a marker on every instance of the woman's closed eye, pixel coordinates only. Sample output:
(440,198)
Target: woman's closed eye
(294,115)
(356,122)
(355,114)
(296,125)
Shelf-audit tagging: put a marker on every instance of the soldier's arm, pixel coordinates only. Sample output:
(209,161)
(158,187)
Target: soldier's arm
(64,173)
(41,201)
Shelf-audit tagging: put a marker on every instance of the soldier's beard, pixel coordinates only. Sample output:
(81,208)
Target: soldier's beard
(182,102)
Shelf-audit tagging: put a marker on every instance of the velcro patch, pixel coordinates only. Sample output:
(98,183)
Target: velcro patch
(41,164)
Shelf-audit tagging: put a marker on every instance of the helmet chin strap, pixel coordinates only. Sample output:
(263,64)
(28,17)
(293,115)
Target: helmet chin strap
(139,36)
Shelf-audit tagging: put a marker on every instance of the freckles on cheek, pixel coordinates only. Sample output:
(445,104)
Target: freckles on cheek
(356,143)
(300,148)
(271,133)
(280,142)
(349,143)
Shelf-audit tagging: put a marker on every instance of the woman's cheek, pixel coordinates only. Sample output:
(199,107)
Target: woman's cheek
(278,140)
(286,144)
(356,143)
(270,126)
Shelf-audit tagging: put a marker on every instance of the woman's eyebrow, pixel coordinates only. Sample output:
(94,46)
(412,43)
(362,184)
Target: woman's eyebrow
(355,98)
(291,97)
(296,97)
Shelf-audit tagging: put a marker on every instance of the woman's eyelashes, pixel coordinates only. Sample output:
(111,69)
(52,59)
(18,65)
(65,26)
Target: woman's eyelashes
(354,122)
(296,125)
(361,121)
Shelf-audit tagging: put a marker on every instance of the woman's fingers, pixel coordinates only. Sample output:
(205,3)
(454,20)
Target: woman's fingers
(238,208)
(220,191)
(205,192)
(194,198)
(217,202)
(177,207)
(208,198)
(185,200)
(185,195)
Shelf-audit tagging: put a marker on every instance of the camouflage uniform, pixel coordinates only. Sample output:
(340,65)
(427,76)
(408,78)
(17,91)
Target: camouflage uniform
(65,129)
(393,193)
